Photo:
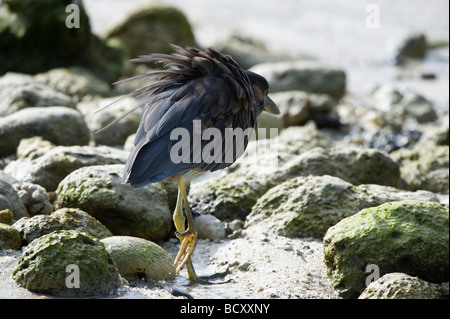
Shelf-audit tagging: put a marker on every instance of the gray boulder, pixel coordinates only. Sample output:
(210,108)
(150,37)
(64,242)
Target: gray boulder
(269,155)
(76,82)
(249,52)
(57,124)
(9,199)
(228,197)
(209,227)
(98,190)
(298,107)
(352,164)
(425,167)
(19,91)
(406,236)
(34,197)
(56,163)
(307,76)
(413,46)
(97,118)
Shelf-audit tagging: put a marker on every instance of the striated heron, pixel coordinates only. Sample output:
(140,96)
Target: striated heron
(195,92)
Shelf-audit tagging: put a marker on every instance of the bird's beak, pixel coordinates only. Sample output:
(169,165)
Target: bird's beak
(270,106)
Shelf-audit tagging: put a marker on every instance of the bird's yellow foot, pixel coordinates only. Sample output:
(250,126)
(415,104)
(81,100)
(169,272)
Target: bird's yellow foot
(188,242)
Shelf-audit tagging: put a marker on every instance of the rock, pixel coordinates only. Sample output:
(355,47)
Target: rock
(414,46)
(50,169)
(404,236)
(418,107)
(268,121)
(59,125)
(352,164)
(76,82)
(234,228)
(425,167)
(303,75)
(397,106)
(298,107)
(437,133)
(19,91)
(129,142)
(33,147)
(67,263)
(209,227)
(98,190)
(401,286)
(137,258)
(228,197)
(249,52)
(34,197)
(66,43)
(266,156)
(61,219)
(308,206)
(7,178)
(151,29)
(445,288)
(96,119)
(9,199)
(232,196)
(9,237)
(6,216)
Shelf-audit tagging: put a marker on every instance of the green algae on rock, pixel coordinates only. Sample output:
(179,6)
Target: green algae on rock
(425,167)
(47,263)
(98,190)
(136,258)
(405,236)
(308,206)
(9,237)
(61,219)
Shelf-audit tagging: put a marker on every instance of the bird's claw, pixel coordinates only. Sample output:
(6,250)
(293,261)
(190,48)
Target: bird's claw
(188,242)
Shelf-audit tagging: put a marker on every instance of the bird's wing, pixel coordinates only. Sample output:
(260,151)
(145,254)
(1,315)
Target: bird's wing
(215,101)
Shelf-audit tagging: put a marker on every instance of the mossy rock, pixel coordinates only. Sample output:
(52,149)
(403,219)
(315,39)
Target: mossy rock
(137,258)
(50,264)
(425,167)
(6,216)
(9,237)
(151,29)
(51,167)
(308,206)
(411,237)
(99,191)
(229,197)
(38,29)
(10,200)
(61,219)
(57,124)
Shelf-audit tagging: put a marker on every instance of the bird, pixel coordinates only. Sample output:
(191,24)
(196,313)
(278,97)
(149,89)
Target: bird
(196,91)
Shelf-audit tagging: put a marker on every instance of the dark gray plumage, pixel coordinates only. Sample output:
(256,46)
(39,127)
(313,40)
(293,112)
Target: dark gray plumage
(195,85)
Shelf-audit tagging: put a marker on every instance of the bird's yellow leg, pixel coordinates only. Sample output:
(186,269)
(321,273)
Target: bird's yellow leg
(188,238)
(178,216)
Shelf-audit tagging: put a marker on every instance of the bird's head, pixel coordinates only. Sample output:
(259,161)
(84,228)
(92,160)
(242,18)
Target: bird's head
(260,88)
